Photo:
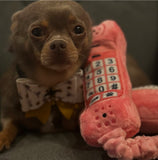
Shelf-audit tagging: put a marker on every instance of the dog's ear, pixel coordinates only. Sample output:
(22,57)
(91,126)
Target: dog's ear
(15,21)
(14,26)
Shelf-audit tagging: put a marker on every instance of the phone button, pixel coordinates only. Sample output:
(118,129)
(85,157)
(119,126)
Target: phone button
(90,93)
(113,78)
(99,72)
(114,86)
(110,61)
(99,80)
(111,69)
(89,76)
(101,88)
(97,64)
(95,99)
(109,94)
(89,84)
(88,69)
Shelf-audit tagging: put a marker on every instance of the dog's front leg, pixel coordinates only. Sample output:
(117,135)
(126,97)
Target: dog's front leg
(8,133)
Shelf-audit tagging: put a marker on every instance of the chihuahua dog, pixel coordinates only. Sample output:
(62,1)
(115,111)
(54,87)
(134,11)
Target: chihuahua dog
(51,40)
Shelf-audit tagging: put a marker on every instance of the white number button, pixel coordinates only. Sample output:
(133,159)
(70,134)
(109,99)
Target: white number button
(113,78)
(89,76)
(99,72)
(109,61)
(88,69)
(90,93)
(95,99)
(101,88)
(109,94)
(99,80)
(115,86)
(111,69)
(89,84)
(97,64)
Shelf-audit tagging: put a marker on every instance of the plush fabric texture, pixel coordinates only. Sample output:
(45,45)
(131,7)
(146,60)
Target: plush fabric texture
(146,100)
(107,93)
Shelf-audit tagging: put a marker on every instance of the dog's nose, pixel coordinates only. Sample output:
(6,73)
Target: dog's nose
(58,45)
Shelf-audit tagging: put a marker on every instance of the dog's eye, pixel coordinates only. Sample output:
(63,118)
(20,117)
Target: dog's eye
(78,29)
(37,32)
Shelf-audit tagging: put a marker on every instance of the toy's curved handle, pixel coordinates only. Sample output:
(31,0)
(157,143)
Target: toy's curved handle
(107,88)
(146,100)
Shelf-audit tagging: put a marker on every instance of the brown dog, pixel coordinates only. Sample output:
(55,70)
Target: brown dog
(51,41)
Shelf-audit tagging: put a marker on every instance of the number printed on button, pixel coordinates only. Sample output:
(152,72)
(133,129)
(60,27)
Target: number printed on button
(97,64)
(109,94)
(111,69)
(89,76)
(89,84)
(90,93)
(113,78)
(99,80)
(101,88)
(115,86)
(99,71)
(109,61)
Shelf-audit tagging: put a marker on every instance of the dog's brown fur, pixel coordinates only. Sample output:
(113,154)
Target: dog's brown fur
(49,48)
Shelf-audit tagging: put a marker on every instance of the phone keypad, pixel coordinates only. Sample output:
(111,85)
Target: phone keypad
(102,80)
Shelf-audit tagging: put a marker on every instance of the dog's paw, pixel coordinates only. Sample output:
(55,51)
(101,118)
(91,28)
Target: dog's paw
(5,141)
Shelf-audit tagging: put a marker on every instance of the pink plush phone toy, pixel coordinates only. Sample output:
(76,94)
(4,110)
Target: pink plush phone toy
(107,87)
(110,111)
(111,118)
